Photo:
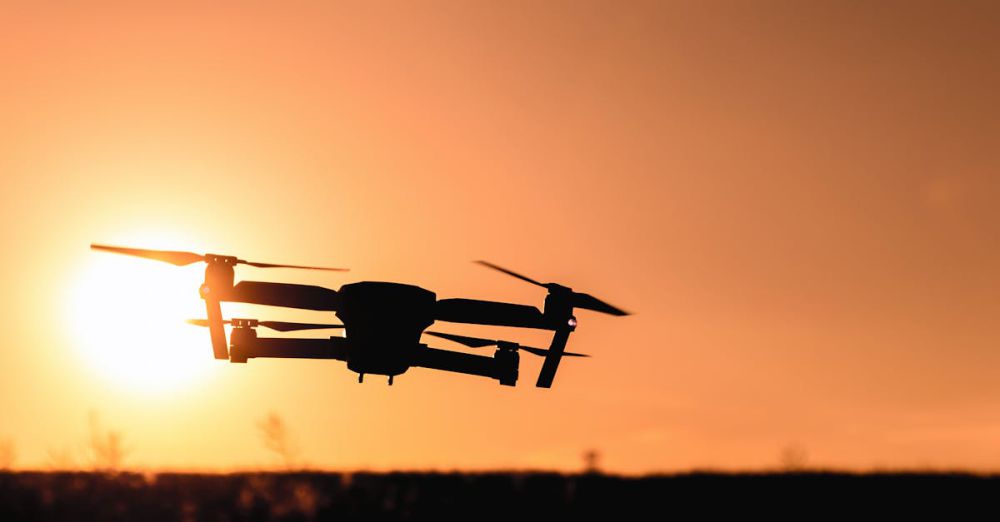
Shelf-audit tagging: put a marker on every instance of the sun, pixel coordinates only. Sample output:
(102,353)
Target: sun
(127,318)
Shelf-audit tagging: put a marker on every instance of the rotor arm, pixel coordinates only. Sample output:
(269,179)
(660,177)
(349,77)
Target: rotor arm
(283,348)
(493,313)
(305,297)
(460,362)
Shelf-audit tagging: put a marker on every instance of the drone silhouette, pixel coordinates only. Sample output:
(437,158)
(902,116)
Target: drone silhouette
(382,321)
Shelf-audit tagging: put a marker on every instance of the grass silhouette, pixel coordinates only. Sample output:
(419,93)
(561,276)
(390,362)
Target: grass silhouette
(491,496)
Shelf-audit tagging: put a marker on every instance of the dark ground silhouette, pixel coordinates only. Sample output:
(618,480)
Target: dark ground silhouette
(491,496)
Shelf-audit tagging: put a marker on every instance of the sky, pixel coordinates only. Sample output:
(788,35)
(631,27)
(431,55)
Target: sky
(797,200)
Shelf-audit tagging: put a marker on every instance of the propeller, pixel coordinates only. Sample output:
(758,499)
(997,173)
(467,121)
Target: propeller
(280,326)
(476,342)
(179,258)
(576,299)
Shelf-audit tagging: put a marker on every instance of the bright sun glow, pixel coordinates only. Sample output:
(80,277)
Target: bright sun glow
(128,321)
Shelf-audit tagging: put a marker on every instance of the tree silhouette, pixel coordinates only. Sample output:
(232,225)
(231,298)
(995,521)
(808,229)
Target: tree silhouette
(106,449)
(592,462)
(276,438)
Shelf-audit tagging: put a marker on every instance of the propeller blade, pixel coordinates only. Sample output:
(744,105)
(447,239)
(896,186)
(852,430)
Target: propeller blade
(280,326)
(307,297)
(590,302)
(512,273)
(178,258)
(272,265)
(577,299)
(541,352)
(476,342)
(471,342)
(170,256)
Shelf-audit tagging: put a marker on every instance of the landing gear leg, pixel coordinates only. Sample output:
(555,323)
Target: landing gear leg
(361,378)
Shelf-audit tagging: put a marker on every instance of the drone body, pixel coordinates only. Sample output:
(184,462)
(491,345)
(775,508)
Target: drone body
(383,322)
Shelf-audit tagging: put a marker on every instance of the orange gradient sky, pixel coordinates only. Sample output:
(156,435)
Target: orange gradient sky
(799,200)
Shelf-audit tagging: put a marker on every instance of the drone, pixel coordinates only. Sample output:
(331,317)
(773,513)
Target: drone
(383,322)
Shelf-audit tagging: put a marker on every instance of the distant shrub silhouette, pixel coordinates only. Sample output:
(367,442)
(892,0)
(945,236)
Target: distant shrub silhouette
(7,454)
(276,438)
(592,462)
(106,450)
(61,459)
(793,458)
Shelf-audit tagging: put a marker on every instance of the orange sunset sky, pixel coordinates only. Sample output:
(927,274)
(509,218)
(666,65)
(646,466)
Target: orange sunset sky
(798,200)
